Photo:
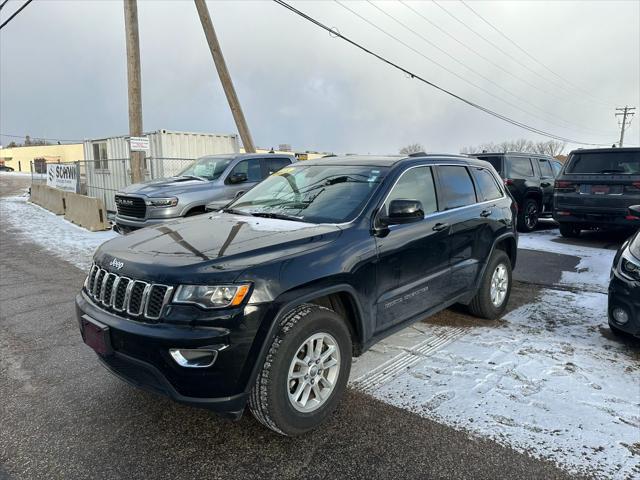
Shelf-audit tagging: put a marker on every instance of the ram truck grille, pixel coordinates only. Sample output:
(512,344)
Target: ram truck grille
(133,298)
(131,206)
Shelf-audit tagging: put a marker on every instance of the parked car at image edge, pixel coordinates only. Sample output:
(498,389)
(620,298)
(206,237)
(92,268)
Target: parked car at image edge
(266,301)
(529,178)
(624,287)
(215,179)
(595,189)
(5,168)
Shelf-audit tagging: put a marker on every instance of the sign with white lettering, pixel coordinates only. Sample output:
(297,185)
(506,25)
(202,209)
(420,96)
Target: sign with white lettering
(139,144)
(63,177)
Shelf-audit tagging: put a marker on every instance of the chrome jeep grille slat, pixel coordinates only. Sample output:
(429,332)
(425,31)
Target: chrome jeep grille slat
(139,300)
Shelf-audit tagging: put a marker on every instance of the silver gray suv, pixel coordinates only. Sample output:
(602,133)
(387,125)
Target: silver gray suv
(213,180)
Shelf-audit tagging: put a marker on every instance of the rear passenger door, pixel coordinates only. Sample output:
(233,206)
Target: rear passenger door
(470,237)
(546,183)
(413,259)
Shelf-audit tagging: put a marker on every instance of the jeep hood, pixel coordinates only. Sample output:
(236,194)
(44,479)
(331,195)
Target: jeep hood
(166,187)
(213,242)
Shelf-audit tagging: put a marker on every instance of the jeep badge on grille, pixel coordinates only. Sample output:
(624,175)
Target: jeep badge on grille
(117,264)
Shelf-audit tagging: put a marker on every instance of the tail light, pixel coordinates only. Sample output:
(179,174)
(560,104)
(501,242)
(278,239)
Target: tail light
(633,188)
(631,217)
(565,186)
(507,181)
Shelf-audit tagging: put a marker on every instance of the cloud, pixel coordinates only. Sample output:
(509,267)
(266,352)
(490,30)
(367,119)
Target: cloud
(63,72)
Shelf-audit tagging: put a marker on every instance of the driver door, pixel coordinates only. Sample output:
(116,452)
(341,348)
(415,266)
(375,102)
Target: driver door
(252,169)
(413,259)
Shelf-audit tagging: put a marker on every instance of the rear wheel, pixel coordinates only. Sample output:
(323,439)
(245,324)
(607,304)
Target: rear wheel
(495,288)
(305,373)
(528,215)
(569,230)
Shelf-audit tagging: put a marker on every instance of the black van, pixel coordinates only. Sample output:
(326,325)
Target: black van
(529,178)
(595,189)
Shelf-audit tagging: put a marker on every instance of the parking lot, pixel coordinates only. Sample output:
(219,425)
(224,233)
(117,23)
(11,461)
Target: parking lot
(450,396)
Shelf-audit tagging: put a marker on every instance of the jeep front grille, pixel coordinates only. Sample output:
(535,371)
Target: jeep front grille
(134,298)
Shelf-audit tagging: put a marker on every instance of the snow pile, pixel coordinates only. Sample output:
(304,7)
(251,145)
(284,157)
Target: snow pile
(56,235)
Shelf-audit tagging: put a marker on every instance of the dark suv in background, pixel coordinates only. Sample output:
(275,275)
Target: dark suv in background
(529,178)
(267,300)
(595,189)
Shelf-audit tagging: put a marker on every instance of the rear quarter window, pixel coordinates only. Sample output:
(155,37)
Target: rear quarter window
(487,184)
(520,167)
(604,163)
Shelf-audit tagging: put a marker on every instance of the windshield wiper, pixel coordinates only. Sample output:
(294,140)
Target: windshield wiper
(280,216)
(195,177)
(235,211)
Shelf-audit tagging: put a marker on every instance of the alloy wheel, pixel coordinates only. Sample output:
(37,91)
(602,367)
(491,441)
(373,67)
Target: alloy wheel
(499,285)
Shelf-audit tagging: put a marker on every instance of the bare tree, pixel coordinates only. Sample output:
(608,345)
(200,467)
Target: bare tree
(412,148)
(549,147)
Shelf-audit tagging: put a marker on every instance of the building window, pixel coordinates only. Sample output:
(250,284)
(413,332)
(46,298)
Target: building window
(100,156)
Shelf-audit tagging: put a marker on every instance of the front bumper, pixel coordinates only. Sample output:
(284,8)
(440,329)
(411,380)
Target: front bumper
(625,294)
(141,356)
(130,223)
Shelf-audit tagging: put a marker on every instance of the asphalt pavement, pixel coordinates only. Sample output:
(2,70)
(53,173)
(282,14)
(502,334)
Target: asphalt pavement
(62,415)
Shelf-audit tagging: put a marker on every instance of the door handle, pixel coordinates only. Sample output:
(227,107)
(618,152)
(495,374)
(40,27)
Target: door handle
(485,213)
(440,226)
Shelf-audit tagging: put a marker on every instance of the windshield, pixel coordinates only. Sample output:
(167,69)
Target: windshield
(312,193)
(605,162)
(209,168)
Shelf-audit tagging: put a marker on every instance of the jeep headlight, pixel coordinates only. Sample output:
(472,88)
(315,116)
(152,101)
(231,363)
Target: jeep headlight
(207,296)
(162,202)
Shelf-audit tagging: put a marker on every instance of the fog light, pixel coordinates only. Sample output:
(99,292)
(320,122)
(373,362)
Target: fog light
(620,315)
(193,358)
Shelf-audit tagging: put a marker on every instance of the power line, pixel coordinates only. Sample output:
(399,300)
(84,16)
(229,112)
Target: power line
(566,123)
(15,13)
(333,32)
(504,52)
(484,57)
(510,40)
(3,4)
(40,138)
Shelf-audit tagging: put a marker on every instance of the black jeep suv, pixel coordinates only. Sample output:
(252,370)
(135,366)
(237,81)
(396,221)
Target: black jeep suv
(595,188)
(267,300)
(529,178)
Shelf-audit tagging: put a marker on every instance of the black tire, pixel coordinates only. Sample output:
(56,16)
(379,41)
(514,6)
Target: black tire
(569,230)
(269,400)
(617,332)
(528,215)
(481,305)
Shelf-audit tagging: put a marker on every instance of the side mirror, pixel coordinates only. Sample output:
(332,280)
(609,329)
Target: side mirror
(634,210)
(403,211)
(238,178)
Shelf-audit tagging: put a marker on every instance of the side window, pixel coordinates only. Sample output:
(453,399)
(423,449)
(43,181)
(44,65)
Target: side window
(489,188)
(100,156)
(415,184)
(457,187)
(520,167)
(251,168)
(545,168)
(556,166)
(275,164)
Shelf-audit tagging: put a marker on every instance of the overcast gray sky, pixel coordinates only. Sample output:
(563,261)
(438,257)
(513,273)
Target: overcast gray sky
(63,71)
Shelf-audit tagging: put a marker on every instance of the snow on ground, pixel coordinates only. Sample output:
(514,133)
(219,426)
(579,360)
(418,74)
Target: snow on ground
(55,234)
(548,380)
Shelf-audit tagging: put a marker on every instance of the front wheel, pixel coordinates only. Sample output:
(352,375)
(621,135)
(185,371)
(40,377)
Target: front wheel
(495,288)
(305,373)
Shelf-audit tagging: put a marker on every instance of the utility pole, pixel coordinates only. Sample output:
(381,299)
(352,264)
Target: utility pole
(625,112)
(225,78)
(134,84)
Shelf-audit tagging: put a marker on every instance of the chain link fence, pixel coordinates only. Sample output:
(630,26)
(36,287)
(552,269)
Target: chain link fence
(105,177)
